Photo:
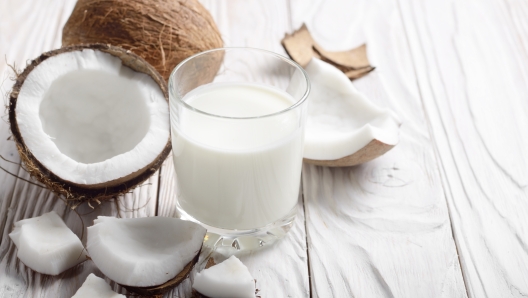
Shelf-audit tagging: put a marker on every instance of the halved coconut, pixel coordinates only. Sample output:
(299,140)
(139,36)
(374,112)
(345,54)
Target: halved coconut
(90,121)
(229,279)
(343,127)
(95,286)
(145,255)
(46,245)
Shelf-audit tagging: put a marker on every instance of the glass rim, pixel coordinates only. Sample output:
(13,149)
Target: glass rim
(276,55)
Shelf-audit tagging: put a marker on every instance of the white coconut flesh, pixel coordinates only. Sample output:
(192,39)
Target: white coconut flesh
(89,119)
(95,286)
(46,245)
(341,120)
(229,279)
(143,252)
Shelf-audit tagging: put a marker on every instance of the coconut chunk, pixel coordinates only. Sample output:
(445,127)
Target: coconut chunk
(143,252)
(341,121)
(85,116)
(94,286)
(90,121)
(229,279)
(46,245)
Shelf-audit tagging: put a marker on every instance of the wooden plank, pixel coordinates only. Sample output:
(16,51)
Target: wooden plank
(380,229)
(281,270)
(28,28)
(471,64)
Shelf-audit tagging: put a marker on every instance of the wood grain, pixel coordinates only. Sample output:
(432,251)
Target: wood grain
(471,66)
(380,229)
(456,72)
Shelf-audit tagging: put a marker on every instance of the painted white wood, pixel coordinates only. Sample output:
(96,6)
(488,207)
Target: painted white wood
(282,269)
(28,28)
(455,71)
(380,229)
(471,64)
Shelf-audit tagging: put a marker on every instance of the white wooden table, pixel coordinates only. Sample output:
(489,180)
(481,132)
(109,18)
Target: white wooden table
(444,214)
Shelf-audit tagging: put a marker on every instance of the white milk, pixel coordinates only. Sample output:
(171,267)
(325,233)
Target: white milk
(238,173)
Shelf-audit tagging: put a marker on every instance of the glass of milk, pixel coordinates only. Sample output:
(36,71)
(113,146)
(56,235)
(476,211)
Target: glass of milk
(237,121)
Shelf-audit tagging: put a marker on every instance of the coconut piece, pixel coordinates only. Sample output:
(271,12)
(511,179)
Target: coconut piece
(351,72)
(90,121)
(229,279)
(354,58)
(343,127)
(154,253)
(46,245)
(162,32)
(358,73)
(301,47)
(94,286)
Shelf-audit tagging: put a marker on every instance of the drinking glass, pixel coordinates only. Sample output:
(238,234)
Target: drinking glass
(237,125)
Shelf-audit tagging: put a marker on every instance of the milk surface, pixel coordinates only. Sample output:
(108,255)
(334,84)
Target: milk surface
(236,173)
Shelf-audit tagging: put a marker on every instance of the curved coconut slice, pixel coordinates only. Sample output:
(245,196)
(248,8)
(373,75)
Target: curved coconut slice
(145,252)
(94,286)
(46,245)
(343,127)
(90,121)
(229,279)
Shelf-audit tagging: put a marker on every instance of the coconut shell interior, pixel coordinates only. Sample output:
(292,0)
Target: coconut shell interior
(68,189)
(355,58)
(372,150)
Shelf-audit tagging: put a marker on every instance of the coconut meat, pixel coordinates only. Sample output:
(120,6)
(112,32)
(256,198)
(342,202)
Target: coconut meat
(229,279)
(89,119)
(95,286)
(143,252)
(46,245)
(341,120)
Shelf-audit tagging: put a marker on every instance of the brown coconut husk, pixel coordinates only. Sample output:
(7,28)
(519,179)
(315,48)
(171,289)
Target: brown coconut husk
(162,32)
(372,150)
(158,291)
(301,47)
(355,58)
(72,191)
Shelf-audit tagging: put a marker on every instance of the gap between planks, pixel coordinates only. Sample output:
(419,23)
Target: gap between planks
(443,181)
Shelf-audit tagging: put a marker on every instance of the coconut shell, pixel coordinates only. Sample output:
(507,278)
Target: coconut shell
(158,291)
(162,32)
(67,189)
(301,47)
(355,58)
(372,150)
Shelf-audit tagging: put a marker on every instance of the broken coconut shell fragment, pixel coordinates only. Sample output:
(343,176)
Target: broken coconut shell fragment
(90,121)
(148,256)
(301,47)
(354,58)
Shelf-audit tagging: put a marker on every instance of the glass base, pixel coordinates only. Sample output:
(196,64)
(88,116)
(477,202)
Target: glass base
(239,240)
